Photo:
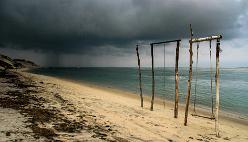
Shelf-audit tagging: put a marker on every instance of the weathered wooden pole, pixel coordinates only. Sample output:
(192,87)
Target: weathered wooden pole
(217,89)
(176,81)
(153,82)
(190,77)
(140,84)
(211,78)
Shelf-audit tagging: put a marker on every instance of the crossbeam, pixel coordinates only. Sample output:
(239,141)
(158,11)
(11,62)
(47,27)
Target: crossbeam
(206,38)
(197,115)
(168,41)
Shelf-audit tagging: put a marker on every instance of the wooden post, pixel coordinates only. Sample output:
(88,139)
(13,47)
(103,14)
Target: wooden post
(176,81)
(217,89)
(153,82)
(190,77)
(140,84)
(211,78)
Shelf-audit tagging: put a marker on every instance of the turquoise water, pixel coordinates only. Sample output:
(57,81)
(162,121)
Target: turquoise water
(233,83)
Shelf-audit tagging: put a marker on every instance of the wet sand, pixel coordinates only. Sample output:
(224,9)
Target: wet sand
(68,111)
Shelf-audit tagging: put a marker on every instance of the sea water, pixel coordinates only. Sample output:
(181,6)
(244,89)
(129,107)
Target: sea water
(233,83)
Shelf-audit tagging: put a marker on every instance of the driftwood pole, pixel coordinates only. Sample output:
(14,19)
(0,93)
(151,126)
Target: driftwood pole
(153,82)
(140,85)
(190,77)
(176,81)
(217,89)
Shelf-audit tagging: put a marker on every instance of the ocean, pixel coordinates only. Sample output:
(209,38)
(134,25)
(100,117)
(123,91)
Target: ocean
(233,83)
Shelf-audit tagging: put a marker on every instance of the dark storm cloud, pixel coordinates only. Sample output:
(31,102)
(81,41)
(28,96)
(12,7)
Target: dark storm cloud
(72,26)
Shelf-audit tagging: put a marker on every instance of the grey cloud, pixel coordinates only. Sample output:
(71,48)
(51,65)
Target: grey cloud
(78,26)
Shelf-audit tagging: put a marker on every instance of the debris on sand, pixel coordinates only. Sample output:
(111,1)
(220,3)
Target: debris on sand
(45,120)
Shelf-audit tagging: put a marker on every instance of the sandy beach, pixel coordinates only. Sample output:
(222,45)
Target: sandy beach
(41,108)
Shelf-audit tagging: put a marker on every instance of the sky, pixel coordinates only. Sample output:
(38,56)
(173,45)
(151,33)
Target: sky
(105,32)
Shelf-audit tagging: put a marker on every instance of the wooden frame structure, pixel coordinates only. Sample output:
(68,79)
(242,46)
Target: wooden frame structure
(153,74)
(197,40)
(176,74)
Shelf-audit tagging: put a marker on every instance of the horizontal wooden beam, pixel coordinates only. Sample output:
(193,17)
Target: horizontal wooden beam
(208,117)
(168,41)
(206,38)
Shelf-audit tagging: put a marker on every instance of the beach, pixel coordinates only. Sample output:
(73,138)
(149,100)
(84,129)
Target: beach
(65,110)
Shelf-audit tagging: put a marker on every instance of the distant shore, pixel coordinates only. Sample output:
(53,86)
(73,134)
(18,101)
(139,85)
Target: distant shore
(96,113)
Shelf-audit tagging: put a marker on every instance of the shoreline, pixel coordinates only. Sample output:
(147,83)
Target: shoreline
(32,110)
(119,100)
(203,110)
(63,110)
